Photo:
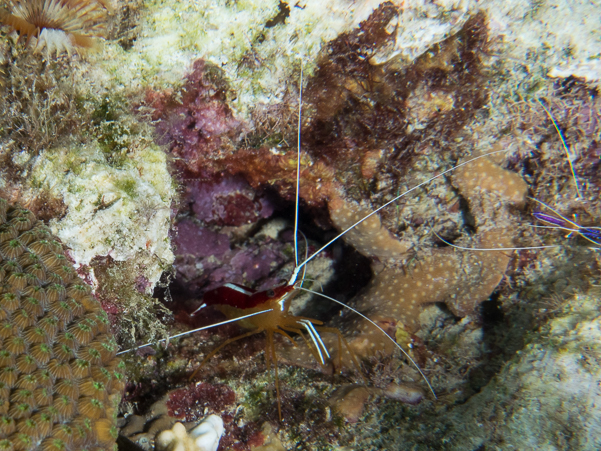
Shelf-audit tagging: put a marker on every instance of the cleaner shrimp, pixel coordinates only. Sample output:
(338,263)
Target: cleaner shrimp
(268,311)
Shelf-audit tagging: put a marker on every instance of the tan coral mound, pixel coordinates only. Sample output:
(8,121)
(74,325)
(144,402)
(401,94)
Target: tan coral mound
(60,382)
(485,176)
(370,237)
(459,278)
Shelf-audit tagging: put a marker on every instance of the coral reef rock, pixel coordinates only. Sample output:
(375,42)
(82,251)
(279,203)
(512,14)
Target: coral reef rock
(60,382)
(546,397)
(115,211)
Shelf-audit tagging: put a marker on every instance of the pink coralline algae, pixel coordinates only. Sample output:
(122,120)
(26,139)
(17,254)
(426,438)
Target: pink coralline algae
(207,244)
(205,259)
(193,239)
(227,201)
(190,403)
(200,119)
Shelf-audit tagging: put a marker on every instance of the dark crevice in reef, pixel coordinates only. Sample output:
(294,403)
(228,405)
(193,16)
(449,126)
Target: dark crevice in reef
(184,293)
(352,272)
(503,336)
(508,325)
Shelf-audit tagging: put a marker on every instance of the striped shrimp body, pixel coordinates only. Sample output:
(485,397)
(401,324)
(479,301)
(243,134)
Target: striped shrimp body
(268,311)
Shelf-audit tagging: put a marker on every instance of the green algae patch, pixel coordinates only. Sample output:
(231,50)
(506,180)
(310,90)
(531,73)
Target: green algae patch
(258,54)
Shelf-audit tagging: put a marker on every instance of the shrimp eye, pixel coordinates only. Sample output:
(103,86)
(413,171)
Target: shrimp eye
(270,293)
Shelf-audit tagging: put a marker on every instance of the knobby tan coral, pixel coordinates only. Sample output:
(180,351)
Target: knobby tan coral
(486,176)
(60,382)
(58,25)
(370,237)
(461,279)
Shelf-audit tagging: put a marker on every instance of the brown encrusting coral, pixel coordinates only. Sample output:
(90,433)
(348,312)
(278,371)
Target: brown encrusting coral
(58,25)
(60,382)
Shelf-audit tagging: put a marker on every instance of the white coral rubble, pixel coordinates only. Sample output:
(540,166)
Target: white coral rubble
(204,437)
(118,211)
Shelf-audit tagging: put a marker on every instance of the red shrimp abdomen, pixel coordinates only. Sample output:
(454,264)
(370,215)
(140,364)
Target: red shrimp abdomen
(243,298)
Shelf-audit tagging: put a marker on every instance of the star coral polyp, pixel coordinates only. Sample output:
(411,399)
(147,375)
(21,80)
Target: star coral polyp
(60,382)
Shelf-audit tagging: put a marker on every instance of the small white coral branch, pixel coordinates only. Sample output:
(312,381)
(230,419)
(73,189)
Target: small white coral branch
(204,437)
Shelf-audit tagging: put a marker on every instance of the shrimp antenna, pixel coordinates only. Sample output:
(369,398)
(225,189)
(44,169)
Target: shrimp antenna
(294,276)
(578,229)
(565,146)
(382,330)
(306,253)
(195,330)
(298,159)
(554,211)
(494,248)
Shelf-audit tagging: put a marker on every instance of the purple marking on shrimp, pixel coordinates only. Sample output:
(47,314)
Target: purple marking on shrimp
(551,219)
(591,234)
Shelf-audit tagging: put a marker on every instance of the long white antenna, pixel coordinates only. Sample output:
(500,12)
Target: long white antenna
(195,330)
(292,280)
(565,147)
(298,159)
(493,248)
(382,330)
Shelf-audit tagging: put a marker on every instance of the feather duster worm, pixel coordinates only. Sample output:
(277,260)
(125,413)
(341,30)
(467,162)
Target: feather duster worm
(58,25)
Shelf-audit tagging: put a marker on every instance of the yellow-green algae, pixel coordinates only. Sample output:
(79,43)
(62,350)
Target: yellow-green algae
(257,61)
(116,212)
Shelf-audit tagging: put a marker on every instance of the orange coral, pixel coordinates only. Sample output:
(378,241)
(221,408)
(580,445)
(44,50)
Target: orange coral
(58,25)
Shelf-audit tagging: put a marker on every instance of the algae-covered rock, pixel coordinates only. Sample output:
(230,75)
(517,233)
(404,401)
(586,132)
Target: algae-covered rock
(395,92)
(546,397)
(114,210)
